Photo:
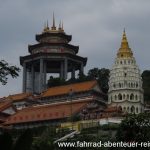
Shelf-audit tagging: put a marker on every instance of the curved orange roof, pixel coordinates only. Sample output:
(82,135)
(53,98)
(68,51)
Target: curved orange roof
(65,89)
(47,112)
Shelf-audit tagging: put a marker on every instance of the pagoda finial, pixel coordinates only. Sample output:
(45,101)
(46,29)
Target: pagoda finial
(124,42)
(62,28)
(59,25)
(46,27)
(47,24)
(53,26)
(124,50)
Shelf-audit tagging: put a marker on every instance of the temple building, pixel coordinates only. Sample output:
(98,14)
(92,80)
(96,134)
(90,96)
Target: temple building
(125,83)
(54,106)
(52,54)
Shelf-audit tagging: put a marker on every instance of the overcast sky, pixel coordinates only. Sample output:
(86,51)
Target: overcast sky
(95,25)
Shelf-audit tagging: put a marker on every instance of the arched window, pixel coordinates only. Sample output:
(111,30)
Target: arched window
(136,85)
(124,109)
(124,96)
(115,97)
(136,97)
(119,97)
(132,97)
(132,109)
(125,74)
(128,109)
(131,84)
(120,108)
(119,85)
(114,85)
(137,110)
(127,96)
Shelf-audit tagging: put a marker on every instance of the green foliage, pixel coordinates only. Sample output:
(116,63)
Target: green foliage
(146,85)
(24,142)
(101,75)
(55,81)
(134,128)
(6,141)
(6,70)
(45,141)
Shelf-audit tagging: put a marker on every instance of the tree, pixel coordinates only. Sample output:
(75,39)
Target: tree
(134,128)
(6,141)
(102,75)
(24,142)
(6,70)
(146,84)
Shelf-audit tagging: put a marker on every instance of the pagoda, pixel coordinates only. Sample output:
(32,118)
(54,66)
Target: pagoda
(125,83)
(52,54)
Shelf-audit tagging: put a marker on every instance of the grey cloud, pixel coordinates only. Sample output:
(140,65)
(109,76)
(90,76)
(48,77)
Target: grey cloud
(96,26)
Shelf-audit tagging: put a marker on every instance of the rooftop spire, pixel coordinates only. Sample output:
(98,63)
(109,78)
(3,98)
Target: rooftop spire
(53,26)
(59,26)
(62,28)
(124,50)
(46,27)
(124,42)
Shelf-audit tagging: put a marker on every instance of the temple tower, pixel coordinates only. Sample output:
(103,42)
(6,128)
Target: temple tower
(125,83)
(52,54)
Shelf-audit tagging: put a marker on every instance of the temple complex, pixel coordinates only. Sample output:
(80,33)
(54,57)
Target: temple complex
(52,54)
(125,83)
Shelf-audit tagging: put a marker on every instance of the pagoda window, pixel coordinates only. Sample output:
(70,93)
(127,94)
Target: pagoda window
(137,110)
(132,109)
(136,97)
(132,85)
(125,74)
(132,97)
(124,108)
(119,85)
(129,84)
(120,108)
(119,97)
(124,96)
(128,109)
(136,85)
(114,85)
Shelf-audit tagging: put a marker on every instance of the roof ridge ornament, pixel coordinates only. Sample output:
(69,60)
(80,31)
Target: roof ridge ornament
(46,27)
(53,26)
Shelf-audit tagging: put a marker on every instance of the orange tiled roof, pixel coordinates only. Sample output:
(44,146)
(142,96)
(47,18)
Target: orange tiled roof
(5,105)
(46,112)
(76,87)
(17,97)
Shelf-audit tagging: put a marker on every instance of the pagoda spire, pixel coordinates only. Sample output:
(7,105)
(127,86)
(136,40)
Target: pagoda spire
(53,26)
(59,28)
(124,50)
(46,27)
(62,28)
(124,42)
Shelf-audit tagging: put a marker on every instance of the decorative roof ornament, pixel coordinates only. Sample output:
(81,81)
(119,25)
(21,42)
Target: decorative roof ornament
(46,27)
(53,26)
(62,28)
(124,50)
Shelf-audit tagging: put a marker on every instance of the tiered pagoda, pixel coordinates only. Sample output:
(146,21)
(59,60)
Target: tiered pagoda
(125,83)
(52,54)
